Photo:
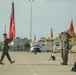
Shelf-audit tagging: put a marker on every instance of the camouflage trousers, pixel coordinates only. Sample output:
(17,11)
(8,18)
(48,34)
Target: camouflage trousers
(5,52)
(64,55)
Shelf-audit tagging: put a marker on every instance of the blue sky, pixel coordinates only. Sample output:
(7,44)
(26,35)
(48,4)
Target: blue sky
(46,14)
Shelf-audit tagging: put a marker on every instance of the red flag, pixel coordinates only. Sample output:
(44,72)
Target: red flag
(51,33)
(34,38)
(12,33)
(71,29)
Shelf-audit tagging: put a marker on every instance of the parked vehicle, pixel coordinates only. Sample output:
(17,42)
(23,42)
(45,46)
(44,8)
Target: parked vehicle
(57,47)
(46,46)
(35,46)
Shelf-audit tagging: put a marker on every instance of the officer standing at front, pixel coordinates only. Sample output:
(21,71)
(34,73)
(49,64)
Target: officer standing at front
(6,48)
(65,48)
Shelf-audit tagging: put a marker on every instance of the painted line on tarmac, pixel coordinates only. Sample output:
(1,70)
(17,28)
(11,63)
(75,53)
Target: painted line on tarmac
(30,67)
(35,74)
(32,70)
(23,60)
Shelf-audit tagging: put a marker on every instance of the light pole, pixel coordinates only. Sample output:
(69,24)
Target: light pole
(5,29)
(31,21)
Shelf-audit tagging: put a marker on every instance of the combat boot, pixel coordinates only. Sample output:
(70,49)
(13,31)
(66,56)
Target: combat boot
(11,62)
(64,63)
(1,63)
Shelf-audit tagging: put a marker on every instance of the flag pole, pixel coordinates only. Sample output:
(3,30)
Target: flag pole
(73,37)
(74,67)
(5,29)
(74,48)
(72,34)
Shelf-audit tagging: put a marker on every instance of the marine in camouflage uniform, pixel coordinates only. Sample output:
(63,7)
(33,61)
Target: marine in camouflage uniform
(5,48)
(65,48)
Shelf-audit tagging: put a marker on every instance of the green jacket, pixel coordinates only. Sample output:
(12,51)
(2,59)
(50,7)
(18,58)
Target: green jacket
(5,44)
